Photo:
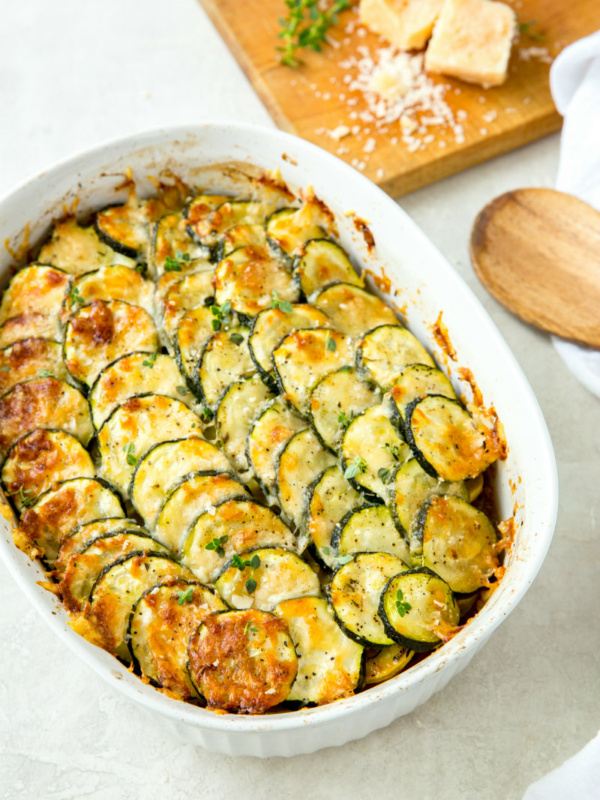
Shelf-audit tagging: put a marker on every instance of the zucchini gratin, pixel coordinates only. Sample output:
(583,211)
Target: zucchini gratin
(243,475)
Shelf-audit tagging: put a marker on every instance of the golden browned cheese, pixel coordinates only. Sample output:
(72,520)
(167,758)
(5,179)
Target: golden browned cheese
(97,327)
(249,281)
(34,289)
(25,326)
(52,522)
(243,661)
(26,358)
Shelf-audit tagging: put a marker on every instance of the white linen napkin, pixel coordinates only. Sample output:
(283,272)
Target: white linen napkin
(577,779)
(575,85)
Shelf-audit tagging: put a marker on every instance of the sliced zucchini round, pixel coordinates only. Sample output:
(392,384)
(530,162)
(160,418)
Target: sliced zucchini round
(160,471)
(369,529)
(60,510)
(353,310)
(117,590)
(329,663)
(173,248)
(304,357)
(135,374)
(416,381)
(302,459)
(242,236)
(201,206)
(290,228)
(386,663)
(371,449)
(238,408)
(41,459)
(109,283)
(271,325)
(355,590)
(193,496)
(225,359)
(83,536)
(334,402)
(419,610)
(249,279)
(36,289)
(160,627)
(242,661)
(272,573)
(191,291)
(384,351)
(77,249)
(83,569)
(457,541)
(30,326)
(43,403)
(411,486)
(330,498)
(30,359)
(322,263)
(125,228)
(446,440)
(210,228)
(136,426)
(100,333)
(269,433)
(193,332)
(231,528)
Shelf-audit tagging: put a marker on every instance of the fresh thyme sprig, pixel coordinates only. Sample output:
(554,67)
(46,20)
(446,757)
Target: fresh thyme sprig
(526,28)
(306,26)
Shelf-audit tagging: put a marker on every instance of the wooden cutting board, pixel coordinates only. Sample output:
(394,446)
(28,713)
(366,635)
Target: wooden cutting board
(308,100)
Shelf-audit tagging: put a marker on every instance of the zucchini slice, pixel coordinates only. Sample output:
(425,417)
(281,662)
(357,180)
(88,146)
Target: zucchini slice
(369,529)
(125,228)
(118,589)
(457,541)
(271,325)
(35,290)
(195,289)
(196,494)
(238,408)
(299,463)
(249,279)
(232,528)
(29,359)
(330,498)
(304,357)
(417,381)
(30,326)
(43,403)
(355,590)
(135,374)
(77,249)
(278,576)
(446,440)
(353,310)
(98,334)
(159,472)
(242,661)
(160,627)
(110,283)
(329,663)
(386,663)
(269,433)
(40,459)
(83,569)
(385,350)
(411,486)
(210,228)
(336,400)
(322,263)
(371,449)
(83,536)
(242,236)
(289,228)
(225,359)
(201,207)
(419,610)
(59,511)
(193,332)
(173,248)
(136,426)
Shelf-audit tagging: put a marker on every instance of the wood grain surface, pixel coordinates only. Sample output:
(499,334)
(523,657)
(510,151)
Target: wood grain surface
(307,100)
(537,251)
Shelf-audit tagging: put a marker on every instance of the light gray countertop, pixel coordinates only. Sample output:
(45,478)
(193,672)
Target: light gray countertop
(74,74)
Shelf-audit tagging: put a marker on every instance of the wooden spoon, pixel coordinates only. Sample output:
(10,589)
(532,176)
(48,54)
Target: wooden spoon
(537,251)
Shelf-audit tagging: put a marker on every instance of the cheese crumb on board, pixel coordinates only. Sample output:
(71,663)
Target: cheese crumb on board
(472,40)
(407,24)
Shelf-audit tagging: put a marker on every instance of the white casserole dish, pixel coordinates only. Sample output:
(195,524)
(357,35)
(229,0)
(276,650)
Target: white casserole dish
(525,484)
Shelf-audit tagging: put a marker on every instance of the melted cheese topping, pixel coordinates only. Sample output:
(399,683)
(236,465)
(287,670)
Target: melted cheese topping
(354,311)
(389,348)
(77,250)
(273,324)
(226,358)
(272,429)
(331,499)
(35,289)
(24,360)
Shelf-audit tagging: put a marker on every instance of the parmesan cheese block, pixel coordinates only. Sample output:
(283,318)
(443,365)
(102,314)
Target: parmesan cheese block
(472,41)
(407,24)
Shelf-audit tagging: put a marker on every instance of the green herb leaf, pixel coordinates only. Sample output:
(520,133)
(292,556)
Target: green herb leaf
(75,297)
(345,369)
(182,390)
(344,419)
(236,338)
(44,373)
(215,324)
(238,563)
(217,545)
(355,466)
(149,362)
(306,26)
(254,562)
(282,305)
(185,596)
(250,585)
(128,450)
(249,627)
(206,414)
(5,368)
(25,501)
(176,264)
(330,342)
(526,28)
(402,606)
(341,560)
(384,475)
(393,450)
(326,550)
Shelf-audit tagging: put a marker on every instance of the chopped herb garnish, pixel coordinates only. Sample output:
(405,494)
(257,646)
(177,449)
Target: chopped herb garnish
(326,550)
(282,305)
(355,466)
(344,419)
(236,338)
(128,450)
(347,368)
(25,501)
(249,627)
(45,373)
(393,450)
(330,342)
(149,362)
(221,315)
(185,596)
(341,560)
(206,414)
(402,606)
(75,296)
(217,545)
(176,264)
(384,475)
(526,28)
(241,564)
(183,390)
(306,25)
(5,368)
(139,267)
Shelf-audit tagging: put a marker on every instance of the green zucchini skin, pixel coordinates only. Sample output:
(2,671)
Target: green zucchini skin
(353,310)
(225,359)
(321,263)
(369,529)
(414,382)
(109,234)
(386,350)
